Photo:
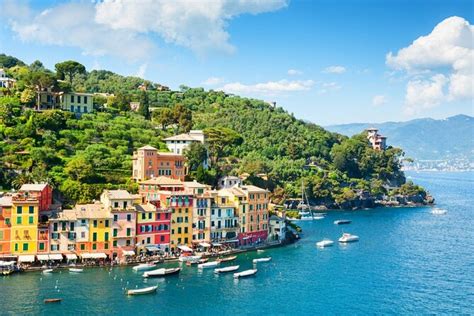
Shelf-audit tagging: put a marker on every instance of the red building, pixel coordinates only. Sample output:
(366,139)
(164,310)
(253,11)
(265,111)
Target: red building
(41,192)
(153,227)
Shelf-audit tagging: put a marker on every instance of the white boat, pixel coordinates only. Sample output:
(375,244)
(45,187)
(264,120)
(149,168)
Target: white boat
(318,216)
(189,258)
(146,290)
(245,273)
(342,222)
(161,272)
(325,243)
(144,266)
(75,270)
(262,260)
(227,259)
(226,269)
(438,211)
(260,250)
(206,265)
(305,216)
(47,271)
(346,237)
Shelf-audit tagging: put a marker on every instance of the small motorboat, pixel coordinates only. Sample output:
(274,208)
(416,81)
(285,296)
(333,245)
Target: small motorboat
(144,266)
(438,211)
(226,269)
(161,272)
(245,273)
(262,260)
(75,270)
(146,290)
(189,258)
(260,250)
(206,265)
(227,259)
(324,243)
(53,300)
(342,222)
(346,237)
(47,271)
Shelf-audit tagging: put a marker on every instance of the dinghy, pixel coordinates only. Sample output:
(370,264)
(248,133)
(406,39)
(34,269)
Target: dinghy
(47,271)
(324,243)
(146,290)
(342,222)
(52,300)
(144,266)
(206,265)
(226,269)
(245,273)
(75,270)
(261,260)
(161,272)
(232,258)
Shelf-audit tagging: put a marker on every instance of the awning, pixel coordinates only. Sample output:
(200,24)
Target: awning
(185,248)
(42,257)
(128,253)
(99,255)
(204,244)
(71,256)
(152,248)
(231,241)
(216,244)
(26,258)
(7,263)
(56,256)
(245,238)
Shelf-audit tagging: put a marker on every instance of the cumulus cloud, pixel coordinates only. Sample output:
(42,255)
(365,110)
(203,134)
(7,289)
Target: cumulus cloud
(268,88)
(212,81)
(294,72)
(334,70)
(328,87)
(439,65)
(125,27)
(379,100)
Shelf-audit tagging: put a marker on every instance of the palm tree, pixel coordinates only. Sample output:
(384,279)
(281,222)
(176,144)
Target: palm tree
(22,178)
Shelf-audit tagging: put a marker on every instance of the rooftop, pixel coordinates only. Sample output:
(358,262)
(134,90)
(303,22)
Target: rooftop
(194,184)
(33,187)
(187,136)
(93,210)
(147,147)
(119,194)
(252,188)
(163,181)
(6,200)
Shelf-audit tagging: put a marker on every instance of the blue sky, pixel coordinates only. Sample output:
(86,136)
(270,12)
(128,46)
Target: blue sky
(325,61)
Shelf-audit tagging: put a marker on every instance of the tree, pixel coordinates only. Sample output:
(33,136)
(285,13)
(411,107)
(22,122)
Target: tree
(195,154)
(10,61)
(144,108)
(219,140)
(37,66)
(69,69)
(183,117)
(27,97)
(79,169)
(40,81)
(164,117)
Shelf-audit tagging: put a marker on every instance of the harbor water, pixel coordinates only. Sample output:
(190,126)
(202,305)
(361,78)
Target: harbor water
(408,261)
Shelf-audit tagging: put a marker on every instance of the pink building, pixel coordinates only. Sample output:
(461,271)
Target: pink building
(148,163)
(377,141)
(153,227)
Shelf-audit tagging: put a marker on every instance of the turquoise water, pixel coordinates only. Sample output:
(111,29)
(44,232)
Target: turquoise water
(408,261)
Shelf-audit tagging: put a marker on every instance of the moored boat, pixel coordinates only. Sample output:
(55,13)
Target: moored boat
(52,300)
(226,269)
(342,222)
(146,290)
(438,211)
(144,266)
(47,271)
(245,273)
(161,272)
(75,270)
(189,258)
(262,260)
(325,243)
(227,259)
(206,265)
(346,237)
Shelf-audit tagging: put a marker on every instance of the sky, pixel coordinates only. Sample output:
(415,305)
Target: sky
(326,61)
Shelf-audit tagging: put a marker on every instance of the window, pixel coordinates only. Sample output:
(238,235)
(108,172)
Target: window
(115,232)
(19,209)
(55,227)
(186,240)
(106,246)
(63,225)
(129,217)
(129,231)
(31,209)
(83,247)
(115,217)
(54,247)
(116,205)
(162,238)
(83,222)
(85,109)
(150,215)
(72,99)
(94,237)
(106,223)
(85,101)
(185,230)
(1,234)
(115,244)
(31,220)
(106,236)
(95,223)
(179,230)
(71,226)
(25,247)
(16,247)
(41,246)
(83,234)
(18,220)
(127,242)
(72,108)
(143,216)
(78,99)
(94,246)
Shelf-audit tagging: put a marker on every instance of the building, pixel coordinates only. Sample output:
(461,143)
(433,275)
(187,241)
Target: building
(228,182)
(5,224)
(153,227)
(148,163)
(149,189)
(377,141)
(24,225)
(6,82)
(224,219)
(42,192)
(276,228)
(178,143)
(201,211)
(78,103)
(121,205)
(63,232)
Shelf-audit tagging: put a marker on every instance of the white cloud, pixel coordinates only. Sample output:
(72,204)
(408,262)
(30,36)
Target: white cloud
(328,87)
(141,71)
(334,70)
(442,58)
(294,72)
(125,27)
(268,88)
(379,100)
(212,81)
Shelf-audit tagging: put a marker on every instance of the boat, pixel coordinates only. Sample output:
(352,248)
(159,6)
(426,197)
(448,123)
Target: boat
(161,272)
(226,269)
(46,271)
(189,258)
(346,237)
(342,222)
(260,250)
(438,211)
(146,290)
(324,243)
(245,273)
(75,270)
(144,266)
(232,258)
(203,260)
(53,300)
(262,260)
(206,265)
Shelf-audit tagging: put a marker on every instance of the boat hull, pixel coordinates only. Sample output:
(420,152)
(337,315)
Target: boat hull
(226,269)
(244,274)
(148,290)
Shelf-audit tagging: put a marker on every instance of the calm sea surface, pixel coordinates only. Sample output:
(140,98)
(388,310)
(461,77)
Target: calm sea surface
(407,261)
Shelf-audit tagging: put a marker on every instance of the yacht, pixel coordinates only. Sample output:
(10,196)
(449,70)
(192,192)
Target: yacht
(325,243)
(346,237)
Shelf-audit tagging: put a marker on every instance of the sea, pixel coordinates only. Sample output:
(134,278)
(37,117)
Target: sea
(407,261)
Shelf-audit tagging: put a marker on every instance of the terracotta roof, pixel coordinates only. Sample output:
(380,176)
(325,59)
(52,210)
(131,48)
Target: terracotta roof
(163,181)
(119,194)
(145,208)
(33,187)
(147,147)
(164,153)
(66,215)
(195,184)
(252,188)
(95,210)
(6,200)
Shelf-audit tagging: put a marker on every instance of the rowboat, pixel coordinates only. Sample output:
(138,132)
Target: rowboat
(146,290)
(46,271)
(75,270)
(262,260)
(189,258)
(161,272)
(346,237)
(260,250)
(342,222)
(144,266)
(52,300)
(232,258)
(226,269)
(211,264)
(245,273)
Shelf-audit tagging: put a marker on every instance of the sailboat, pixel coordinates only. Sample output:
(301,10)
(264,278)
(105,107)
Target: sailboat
(305,210)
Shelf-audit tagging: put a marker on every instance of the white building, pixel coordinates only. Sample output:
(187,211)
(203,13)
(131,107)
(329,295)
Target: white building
(276,228)
(179,143)
(224,220)
(228,182)
(6,82)
(377,141)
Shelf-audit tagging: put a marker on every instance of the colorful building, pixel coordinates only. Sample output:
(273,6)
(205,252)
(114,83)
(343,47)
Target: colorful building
(224,219)
(377,141)
(148,163)
(78,103)
(153,227)
(24,229)
(201,211)
(5,224)
(63,230)
(42,192)
(149,189)
(277,228)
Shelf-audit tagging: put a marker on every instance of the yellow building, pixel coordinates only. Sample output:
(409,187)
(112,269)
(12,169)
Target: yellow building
(100,227)
(24,225)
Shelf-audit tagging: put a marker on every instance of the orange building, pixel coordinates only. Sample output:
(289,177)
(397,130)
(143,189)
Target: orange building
(148,163)
(5,224)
